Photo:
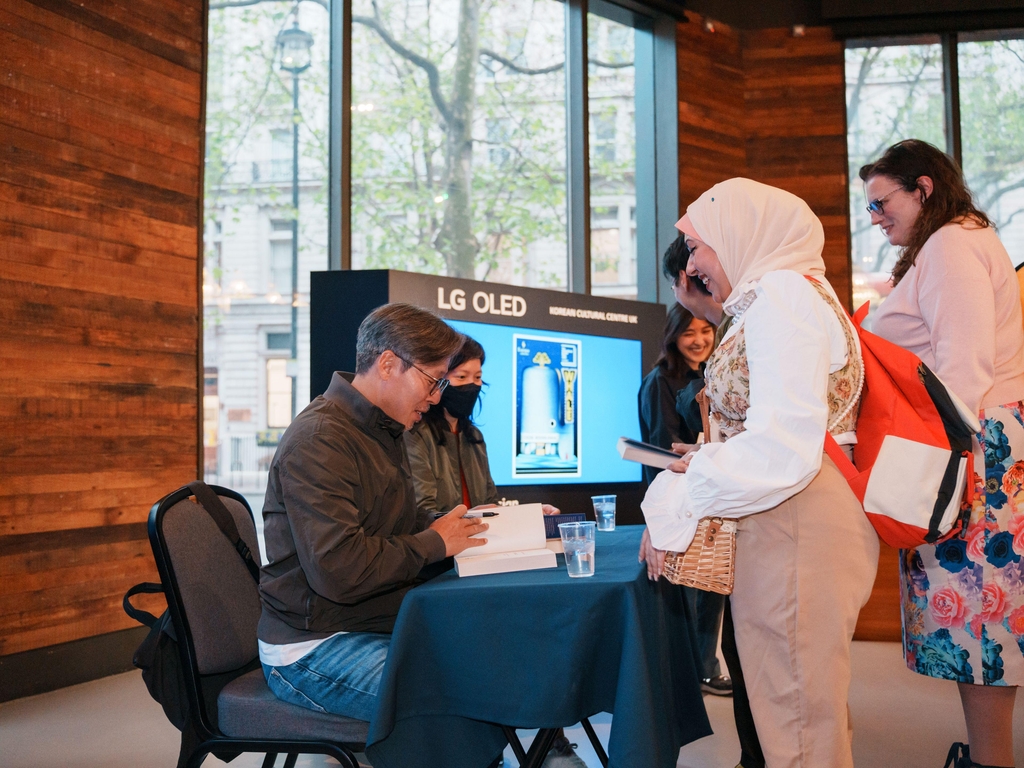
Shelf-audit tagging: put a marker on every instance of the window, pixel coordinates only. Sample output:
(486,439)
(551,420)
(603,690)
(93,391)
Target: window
(498,137)
(475,177)
(602,143)
(901,89)
(991,68)
(278,341)
(279,276)
(478,164)
(280,154)
(279,393)
(612,95)
(892,93)
(247,277)
(211,422)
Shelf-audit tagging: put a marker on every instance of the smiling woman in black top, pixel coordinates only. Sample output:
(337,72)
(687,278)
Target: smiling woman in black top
(687,344)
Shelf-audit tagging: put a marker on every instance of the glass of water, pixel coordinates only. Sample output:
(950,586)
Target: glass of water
(578,545)
(604,512)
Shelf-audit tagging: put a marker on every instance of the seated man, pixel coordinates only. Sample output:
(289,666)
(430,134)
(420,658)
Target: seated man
(343,536)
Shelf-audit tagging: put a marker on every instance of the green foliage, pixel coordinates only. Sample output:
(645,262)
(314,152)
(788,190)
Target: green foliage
(992,122)
(400,151)
(403,162)
(896,93)
(892,93)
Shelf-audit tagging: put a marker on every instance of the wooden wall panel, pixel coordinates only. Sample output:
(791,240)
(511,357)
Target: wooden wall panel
(100,180)
(711,109)
(795,106)
(880,618)
(772,107)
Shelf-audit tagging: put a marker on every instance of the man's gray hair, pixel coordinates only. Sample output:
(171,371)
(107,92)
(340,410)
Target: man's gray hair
(413,334)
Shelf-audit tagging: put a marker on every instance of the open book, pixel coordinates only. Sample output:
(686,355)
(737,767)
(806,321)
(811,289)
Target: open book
(515,542)
(645,453)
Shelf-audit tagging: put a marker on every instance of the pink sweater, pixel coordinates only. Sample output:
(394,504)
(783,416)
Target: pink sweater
(958,309)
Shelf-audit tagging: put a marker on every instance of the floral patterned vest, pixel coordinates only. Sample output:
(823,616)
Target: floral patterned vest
(728,382)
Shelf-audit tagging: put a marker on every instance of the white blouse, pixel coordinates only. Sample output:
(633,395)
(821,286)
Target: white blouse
(794,341)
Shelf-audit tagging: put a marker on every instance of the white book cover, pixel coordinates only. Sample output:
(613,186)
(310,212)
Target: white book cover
(645,453)
(515,542)
(505,562)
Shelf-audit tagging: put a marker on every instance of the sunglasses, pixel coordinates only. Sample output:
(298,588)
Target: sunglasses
(878,205)
(436,385)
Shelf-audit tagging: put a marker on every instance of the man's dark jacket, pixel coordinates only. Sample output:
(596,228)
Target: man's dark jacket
(342,533)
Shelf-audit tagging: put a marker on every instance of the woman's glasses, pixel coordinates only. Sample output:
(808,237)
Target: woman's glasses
(878,204)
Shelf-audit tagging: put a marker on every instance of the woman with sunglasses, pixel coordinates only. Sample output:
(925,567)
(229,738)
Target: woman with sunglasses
(956,305)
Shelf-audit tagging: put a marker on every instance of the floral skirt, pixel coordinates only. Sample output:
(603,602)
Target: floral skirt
(963,599)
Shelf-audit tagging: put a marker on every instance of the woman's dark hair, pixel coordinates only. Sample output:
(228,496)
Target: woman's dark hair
(434,418)
(950,199)
(676,257)
(676,323)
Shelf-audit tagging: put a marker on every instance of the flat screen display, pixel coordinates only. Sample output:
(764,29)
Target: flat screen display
(556,404)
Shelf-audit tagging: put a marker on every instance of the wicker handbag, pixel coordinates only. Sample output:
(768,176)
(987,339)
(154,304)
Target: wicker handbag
(709,563)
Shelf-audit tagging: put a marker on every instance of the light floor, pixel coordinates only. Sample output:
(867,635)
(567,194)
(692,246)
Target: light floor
(900,719)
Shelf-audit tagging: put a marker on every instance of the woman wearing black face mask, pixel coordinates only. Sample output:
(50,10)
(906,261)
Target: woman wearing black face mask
(446,452)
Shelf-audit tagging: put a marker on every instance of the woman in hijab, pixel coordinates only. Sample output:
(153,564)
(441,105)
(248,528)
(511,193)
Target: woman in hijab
(788,369)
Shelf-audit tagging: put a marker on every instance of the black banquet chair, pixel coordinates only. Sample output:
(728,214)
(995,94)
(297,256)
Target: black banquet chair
(215,606)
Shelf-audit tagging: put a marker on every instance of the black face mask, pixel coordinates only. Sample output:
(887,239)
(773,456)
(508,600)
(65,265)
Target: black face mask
(460,401)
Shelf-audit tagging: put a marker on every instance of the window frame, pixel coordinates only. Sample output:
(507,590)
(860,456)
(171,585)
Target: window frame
(949,42)
(657,195)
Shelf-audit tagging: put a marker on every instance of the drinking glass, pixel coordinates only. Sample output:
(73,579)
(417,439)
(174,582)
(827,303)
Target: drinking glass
(578,545)
(604,512)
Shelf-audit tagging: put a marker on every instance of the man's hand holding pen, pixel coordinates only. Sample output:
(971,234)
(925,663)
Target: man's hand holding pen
(457,528)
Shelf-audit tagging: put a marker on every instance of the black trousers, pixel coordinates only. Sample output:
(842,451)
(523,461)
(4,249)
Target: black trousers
(751,755)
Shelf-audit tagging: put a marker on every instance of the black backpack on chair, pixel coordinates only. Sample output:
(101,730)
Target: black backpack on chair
(159,657)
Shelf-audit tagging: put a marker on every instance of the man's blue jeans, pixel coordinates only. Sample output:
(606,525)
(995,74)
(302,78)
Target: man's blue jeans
(341,675)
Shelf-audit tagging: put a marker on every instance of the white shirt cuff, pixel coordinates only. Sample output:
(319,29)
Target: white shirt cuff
(666,507)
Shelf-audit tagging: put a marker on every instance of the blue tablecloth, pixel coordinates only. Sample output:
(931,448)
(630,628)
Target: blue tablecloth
(537,649)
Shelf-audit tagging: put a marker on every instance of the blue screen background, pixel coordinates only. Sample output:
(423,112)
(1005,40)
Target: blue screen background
(611,372)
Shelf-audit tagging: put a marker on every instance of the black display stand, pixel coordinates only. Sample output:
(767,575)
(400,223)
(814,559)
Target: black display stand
(339,300)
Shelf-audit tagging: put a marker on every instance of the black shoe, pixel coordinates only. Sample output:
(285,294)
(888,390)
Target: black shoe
(719,685)
(959,756)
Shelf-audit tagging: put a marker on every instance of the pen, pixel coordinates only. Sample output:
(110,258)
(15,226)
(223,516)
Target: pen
(439,515)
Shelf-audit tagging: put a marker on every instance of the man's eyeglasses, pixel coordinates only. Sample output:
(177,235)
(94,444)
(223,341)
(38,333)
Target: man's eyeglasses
(437,385)
(878,204)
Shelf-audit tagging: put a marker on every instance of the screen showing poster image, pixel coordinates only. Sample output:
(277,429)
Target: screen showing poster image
(546,418)
(555,404)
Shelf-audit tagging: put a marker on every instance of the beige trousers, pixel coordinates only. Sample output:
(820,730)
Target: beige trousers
(803,571)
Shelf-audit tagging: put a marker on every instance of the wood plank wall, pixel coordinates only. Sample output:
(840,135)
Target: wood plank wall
(712,121)
(100,174)
(795,106)
(772,107)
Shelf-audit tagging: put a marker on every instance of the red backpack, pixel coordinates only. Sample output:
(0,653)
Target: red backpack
(912,465)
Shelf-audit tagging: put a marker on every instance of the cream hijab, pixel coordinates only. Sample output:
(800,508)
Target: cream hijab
(756,229)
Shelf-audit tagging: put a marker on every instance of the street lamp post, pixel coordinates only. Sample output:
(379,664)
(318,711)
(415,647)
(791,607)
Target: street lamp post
(294,45)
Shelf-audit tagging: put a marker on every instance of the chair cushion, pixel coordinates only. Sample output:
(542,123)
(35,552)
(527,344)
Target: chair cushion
(221,600)
(247,709)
